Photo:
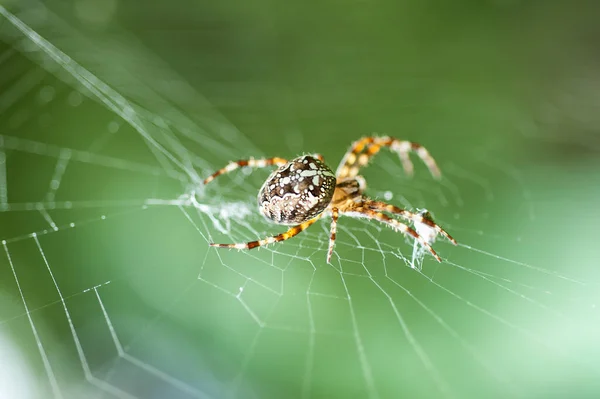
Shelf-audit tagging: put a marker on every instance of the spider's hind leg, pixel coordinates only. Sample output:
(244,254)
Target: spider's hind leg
(332,233)
(253,163)
(294,231)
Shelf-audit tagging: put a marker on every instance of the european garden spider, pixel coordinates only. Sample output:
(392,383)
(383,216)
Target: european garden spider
(303,190)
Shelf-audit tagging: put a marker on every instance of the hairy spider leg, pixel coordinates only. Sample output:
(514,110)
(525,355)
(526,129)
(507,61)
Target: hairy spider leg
(414,217)
(295,230)
(253,163)
(360,212)
(362,150)
(334,219)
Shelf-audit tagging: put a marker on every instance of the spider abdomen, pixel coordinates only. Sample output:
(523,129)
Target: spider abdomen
(297,191)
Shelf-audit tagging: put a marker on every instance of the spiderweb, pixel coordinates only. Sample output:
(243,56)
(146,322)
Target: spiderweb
(110,290)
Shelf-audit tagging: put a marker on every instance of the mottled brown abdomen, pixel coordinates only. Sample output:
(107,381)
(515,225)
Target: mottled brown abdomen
(297,191)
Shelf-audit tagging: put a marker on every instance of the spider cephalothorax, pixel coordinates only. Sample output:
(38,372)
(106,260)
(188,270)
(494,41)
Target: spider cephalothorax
(304,189)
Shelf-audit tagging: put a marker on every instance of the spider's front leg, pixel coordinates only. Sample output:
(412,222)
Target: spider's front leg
(414,217)
(269,240)
(362,212)
(364,149)
(253,163)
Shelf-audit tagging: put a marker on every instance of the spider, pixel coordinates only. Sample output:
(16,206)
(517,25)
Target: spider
(301,191)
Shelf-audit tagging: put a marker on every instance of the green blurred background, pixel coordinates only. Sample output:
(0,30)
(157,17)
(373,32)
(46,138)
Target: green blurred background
(112,112)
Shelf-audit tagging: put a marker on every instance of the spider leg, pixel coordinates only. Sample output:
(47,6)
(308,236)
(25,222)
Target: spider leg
(269,240)
(334,218)
(254,163)
(414,217)
(364,149)
(361,212)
